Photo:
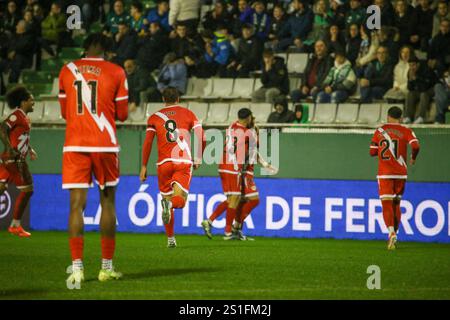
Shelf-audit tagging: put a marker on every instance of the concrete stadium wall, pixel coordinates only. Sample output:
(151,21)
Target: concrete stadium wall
(310,155)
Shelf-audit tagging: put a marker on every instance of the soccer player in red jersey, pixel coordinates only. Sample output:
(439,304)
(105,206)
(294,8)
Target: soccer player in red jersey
(236,172)
(15,135)
(172,125)
(390,144)
(93,94)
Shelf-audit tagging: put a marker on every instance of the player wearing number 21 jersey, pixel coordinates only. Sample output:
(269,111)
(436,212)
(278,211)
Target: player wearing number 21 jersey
(172,125)
(390,144)
(93,94)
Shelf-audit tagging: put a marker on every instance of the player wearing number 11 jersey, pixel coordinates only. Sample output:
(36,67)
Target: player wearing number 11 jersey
(172,125)
(93,94)
(390,144)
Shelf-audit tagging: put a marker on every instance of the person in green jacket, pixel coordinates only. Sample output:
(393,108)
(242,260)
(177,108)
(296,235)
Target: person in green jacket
(54,29)
(301,114)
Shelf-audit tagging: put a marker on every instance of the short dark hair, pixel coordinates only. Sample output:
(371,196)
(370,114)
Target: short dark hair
(138,5)
(413,59)
(268,53)
(244,113)
(170,95)
(16,96)
(395,112)
(97,39)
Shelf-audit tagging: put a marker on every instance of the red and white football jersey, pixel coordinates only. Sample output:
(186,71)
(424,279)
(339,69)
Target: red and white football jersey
(172,126)
(19,132)
(236,148)
(92,92)
(390,143)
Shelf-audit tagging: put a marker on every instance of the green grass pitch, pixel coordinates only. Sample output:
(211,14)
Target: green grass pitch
(199,268)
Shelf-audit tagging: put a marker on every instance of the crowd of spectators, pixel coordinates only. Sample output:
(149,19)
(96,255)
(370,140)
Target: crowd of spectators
(173,41)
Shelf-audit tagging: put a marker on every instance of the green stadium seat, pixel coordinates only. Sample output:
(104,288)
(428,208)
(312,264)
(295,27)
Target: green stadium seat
(52,65)
(218,113)
(222,88)
(200,88)
(36,76)
(384,110)
(200,109)
(79,40)
(347,113)
(243,88)
(95,27)
(234,108)
(447,118)
(37,114)
(325,113)
(39,88)
(71,53)
(152,108)
(52,112)
(138,115)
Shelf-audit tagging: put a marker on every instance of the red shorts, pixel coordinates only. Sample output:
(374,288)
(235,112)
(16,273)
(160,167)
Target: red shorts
(231,183)
(10,173)
(391,188)
(170,173)
(249,187)
(78,168)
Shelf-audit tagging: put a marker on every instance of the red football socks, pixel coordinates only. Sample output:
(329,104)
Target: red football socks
(219,210)
(21,203)
(178,202)
(108,248)
(76,248)
(247,208)
(397,214)
(388,212)
(169,226)
(231,214)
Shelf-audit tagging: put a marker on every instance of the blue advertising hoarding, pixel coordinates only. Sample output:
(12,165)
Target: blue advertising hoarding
(288,208)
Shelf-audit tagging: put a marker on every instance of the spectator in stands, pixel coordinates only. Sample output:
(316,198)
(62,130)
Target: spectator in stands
(400,88)
(335,40)
(218,51)
(300,114)
(217,16)
(152,48)
(179,43)
(298,24)
(185,11)
(54,30)
(89,11)
(440,45)
(116,16)
(321,22)
(125,44)
(274,79)
(160,14)
(315,73)
(11,18)
(277,23)
(340,81)
(137,18)
(352,43)
(241,15)
(38,14)
(442,97)
(424,25)
(140,85)
(282,114)
(404,21)
(20,52)
(248,56)
(367,50)
(173,74)
(441,14)
(386,37)
(29,5)
(338,9)
(260,20)
(377,78)
(421,81)
(355,15)
(32,26)
(387,12)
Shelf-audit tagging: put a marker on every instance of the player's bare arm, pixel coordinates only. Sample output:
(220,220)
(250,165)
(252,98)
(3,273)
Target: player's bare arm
(4,137)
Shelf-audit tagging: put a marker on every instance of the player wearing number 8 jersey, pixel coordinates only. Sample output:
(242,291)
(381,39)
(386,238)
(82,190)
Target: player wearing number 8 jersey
(93,94)
(390,144)
(172,125)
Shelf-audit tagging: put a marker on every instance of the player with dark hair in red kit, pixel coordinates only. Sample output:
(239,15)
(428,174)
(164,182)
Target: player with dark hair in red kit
(15,135)
(390,144)
(93,94)
(172,126)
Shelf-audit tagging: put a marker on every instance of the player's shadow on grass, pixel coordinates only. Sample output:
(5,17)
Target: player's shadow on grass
(153,273)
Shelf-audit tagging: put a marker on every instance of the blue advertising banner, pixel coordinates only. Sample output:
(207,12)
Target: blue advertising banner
(288,208)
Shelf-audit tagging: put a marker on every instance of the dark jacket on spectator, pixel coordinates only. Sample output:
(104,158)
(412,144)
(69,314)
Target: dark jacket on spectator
(352,48)
(406,25)
(440,47)
(23,45)
(287,116)
(424,22)
(425,79)
(249,53)
(387,14)
(277,25)
(298,24)
(139,80)
(10,21)
(125,48)
(151,50)
(277,77)
(323,67)
(211,23)
(261,23)
(380,75)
